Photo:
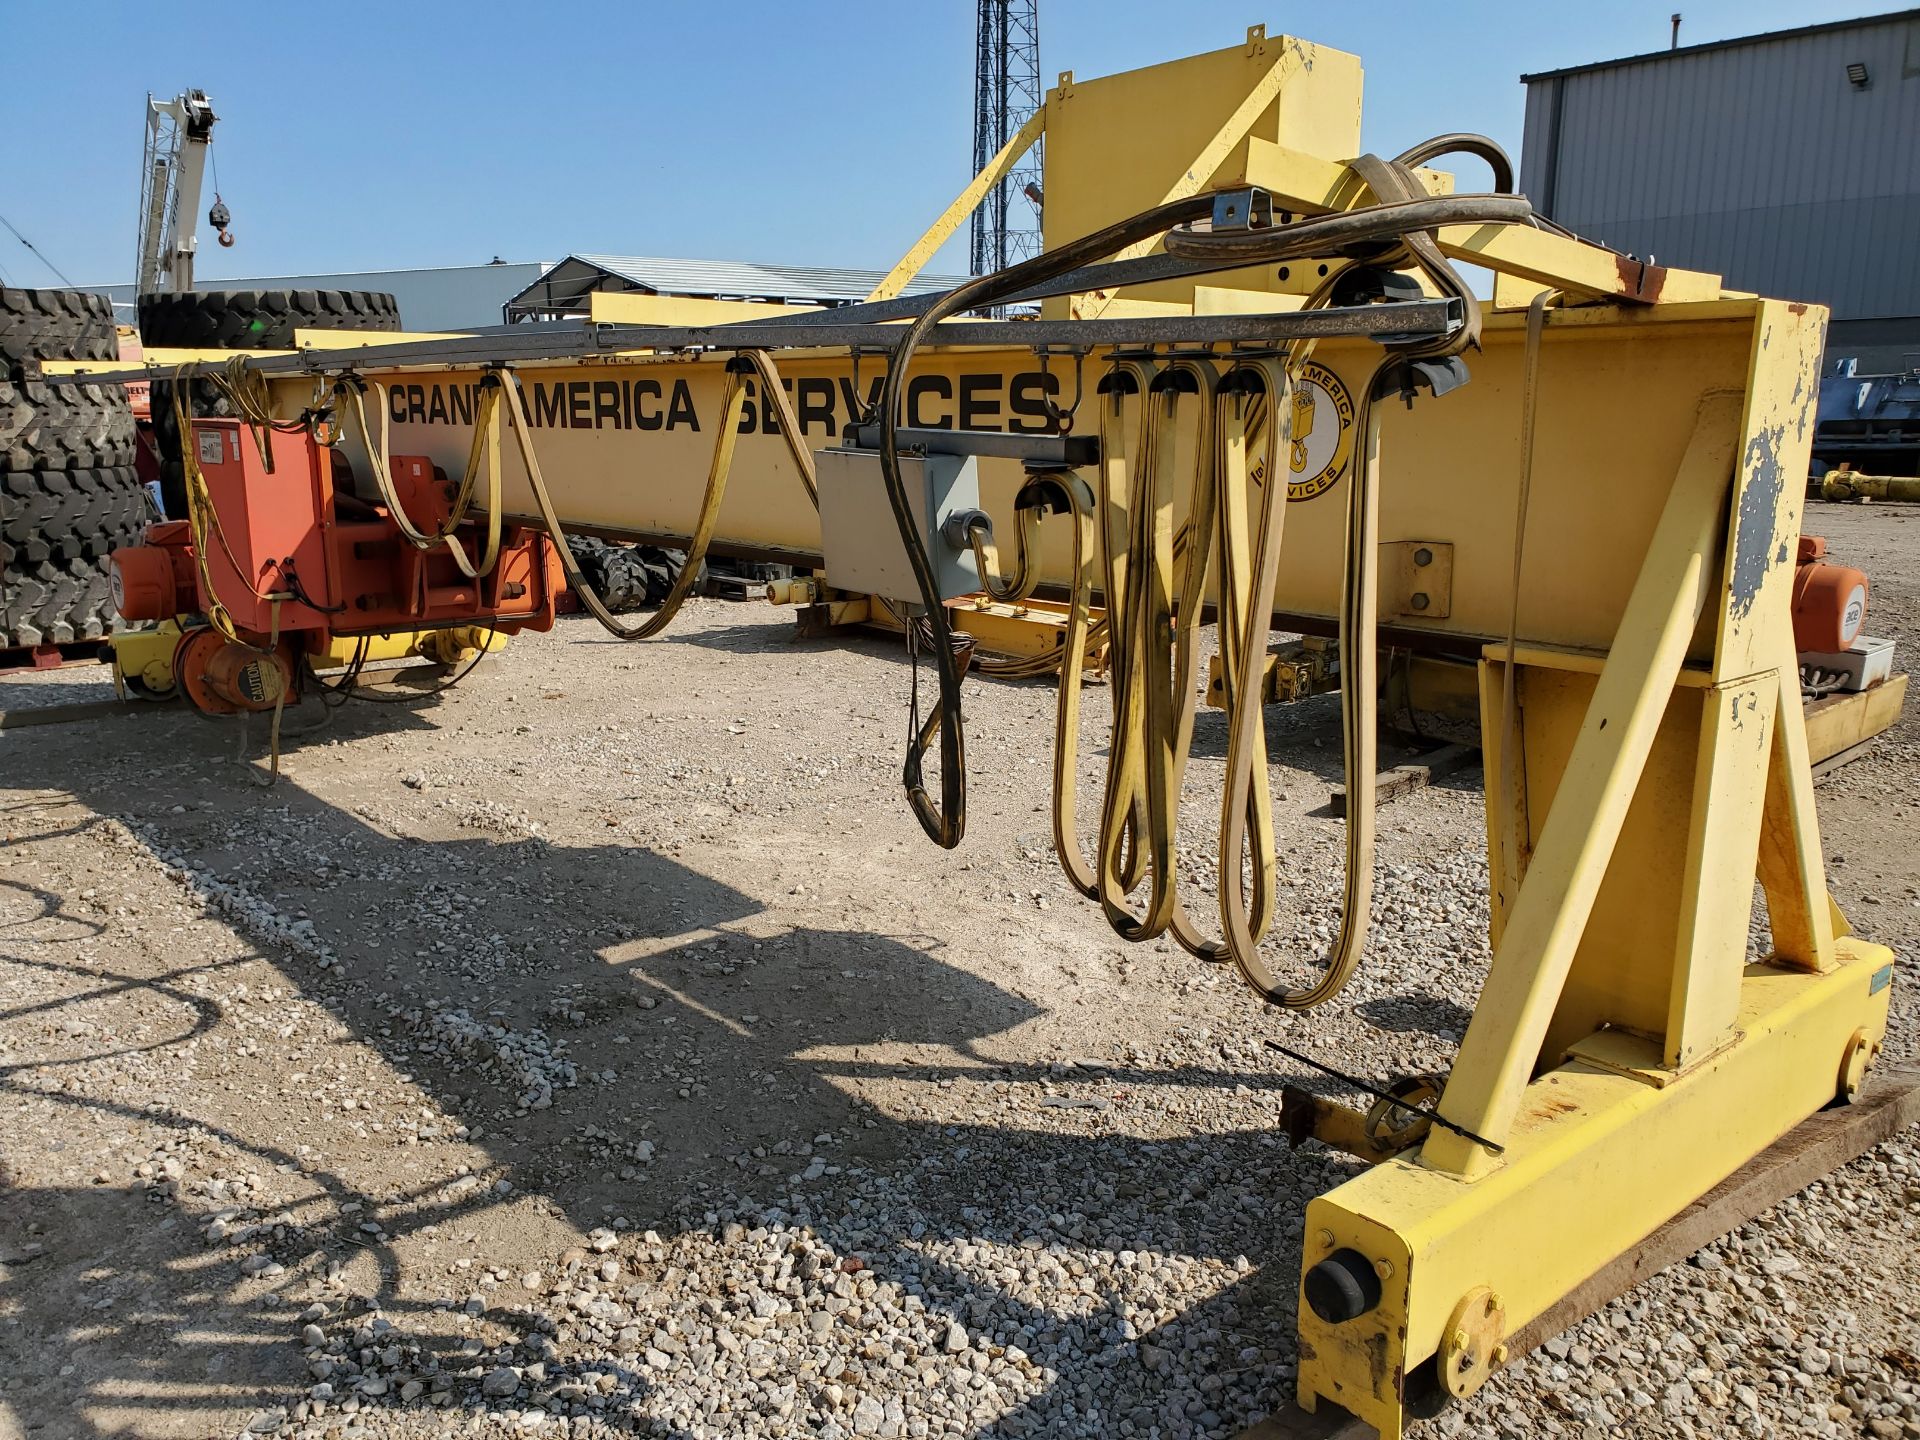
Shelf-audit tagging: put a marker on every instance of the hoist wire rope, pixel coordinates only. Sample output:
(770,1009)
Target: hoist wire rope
(1509,676)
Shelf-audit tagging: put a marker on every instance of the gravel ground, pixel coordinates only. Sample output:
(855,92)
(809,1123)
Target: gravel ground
(601,1049)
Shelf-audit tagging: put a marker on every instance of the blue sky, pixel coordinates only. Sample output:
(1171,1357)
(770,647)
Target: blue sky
(418,132)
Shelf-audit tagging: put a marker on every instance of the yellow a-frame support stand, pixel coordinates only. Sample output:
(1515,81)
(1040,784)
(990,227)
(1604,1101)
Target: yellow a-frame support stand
(1624,1055)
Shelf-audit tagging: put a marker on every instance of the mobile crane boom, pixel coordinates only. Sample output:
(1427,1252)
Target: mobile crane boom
(171,174)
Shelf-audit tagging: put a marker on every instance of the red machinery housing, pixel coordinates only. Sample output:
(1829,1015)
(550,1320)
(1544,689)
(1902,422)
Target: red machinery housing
(339,563)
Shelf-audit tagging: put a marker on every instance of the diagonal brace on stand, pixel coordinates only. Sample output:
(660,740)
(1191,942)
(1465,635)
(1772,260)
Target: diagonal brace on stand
(1549,915)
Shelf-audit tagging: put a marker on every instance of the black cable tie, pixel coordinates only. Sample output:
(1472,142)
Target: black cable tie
(1434,1115)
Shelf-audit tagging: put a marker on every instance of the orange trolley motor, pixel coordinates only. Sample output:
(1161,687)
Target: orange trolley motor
(1829,601)
(294,560)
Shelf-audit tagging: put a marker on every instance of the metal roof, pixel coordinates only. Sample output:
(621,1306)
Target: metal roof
(569,282)
(1761,39)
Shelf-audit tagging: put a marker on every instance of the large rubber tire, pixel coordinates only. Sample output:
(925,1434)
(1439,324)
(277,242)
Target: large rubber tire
(64,515)
(627,577)
(68,490)
(55,325)
(259,319)
(64,427)
(239,320)
(208,401)
(56,602)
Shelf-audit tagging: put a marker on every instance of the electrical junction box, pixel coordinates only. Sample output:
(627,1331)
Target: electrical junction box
(859,539)
(1865,664)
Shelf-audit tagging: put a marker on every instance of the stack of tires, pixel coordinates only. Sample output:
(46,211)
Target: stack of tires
(238,320)
(68,492)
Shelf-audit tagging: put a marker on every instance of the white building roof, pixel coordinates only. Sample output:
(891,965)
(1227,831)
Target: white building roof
(564,288)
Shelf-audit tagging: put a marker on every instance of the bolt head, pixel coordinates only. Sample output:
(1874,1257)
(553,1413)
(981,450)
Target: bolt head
(1420,600)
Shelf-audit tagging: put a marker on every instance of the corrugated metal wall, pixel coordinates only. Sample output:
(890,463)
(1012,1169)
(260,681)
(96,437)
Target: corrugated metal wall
(1759,161)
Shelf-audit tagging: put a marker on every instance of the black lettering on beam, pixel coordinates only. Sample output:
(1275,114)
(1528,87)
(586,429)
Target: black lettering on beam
(813,400)
(921,385)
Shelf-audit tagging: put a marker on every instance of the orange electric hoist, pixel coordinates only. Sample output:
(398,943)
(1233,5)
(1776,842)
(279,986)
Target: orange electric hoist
(289,559)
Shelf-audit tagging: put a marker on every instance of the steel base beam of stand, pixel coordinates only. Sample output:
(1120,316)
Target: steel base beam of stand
(1608,1147)
(1889,1103)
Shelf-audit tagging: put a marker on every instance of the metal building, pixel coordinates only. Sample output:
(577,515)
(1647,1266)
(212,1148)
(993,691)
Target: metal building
(1787,162)
(566,289)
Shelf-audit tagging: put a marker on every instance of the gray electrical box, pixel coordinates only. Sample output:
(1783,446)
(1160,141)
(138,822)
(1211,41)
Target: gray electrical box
(859,539)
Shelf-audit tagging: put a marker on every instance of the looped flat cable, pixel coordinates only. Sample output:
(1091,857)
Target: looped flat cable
(1405,216)
(1136,829)
(485,451)
(1157,591)
(1236,416)
(945,821)
(1154,701)
(1026,551)
(1066,725)
(732,409)
(1357,626)
(1124,804)
(1153,706)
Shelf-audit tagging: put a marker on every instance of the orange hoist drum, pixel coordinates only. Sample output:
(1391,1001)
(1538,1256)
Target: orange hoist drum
(222,678)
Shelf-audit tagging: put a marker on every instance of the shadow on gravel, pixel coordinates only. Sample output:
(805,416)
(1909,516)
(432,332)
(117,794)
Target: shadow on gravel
(631,1041)
(1417,1015)
(754,638)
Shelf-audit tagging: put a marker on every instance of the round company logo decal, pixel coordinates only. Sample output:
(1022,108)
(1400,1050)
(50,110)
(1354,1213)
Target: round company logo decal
(1322,444)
